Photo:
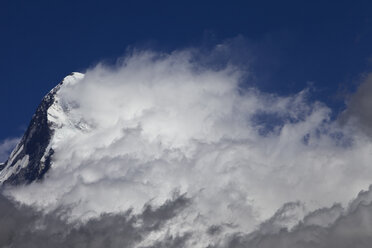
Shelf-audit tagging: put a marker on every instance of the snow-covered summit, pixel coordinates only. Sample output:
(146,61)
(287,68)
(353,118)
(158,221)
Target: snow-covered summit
(31,158)
(72,78)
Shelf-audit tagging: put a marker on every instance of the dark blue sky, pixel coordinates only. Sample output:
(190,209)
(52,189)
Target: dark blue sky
(290,42)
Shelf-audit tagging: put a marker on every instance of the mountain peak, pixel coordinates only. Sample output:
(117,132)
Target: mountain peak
(31,158)
(72,78)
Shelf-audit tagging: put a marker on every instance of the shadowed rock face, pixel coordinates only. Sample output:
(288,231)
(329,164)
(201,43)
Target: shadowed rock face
(32,157)
(33,144)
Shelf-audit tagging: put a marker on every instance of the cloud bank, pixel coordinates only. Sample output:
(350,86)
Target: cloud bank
(23,226)
(257,169)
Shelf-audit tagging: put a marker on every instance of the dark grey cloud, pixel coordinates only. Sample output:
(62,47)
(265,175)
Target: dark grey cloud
(359,111)
(331,227)
(22,226)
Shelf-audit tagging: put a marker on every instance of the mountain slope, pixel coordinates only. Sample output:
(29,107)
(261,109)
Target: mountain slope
(31,158)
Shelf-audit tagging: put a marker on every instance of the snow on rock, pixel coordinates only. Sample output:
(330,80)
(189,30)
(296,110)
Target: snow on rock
(31,158)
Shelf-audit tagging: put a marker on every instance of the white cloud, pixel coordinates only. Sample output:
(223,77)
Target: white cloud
(160,123)
(6,146)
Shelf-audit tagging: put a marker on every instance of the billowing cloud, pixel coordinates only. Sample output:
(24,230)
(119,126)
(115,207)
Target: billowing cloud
(329,228)
(254,165)
(23,226)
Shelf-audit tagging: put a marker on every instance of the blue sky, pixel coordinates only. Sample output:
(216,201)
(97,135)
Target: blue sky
(288,43)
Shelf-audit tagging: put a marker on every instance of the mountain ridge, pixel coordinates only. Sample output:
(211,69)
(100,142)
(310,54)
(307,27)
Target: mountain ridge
(31,158)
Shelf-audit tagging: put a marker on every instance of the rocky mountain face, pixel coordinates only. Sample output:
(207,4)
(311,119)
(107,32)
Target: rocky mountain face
(32,157)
